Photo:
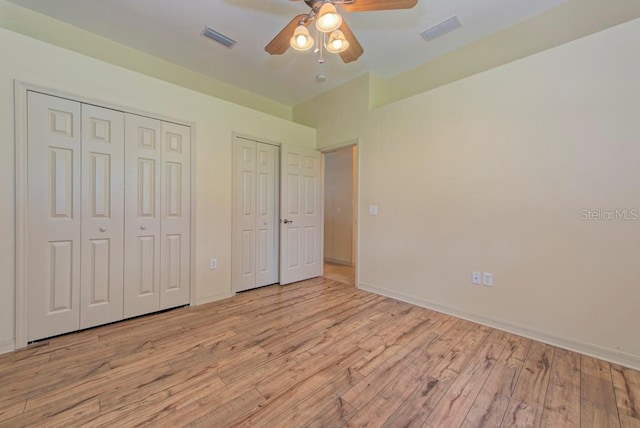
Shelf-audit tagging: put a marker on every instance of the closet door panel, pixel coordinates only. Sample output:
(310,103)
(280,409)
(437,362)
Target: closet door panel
(102,267)
(244,243)
(175,226)
(54,216)
(256,214)
(142,215)
(266,214)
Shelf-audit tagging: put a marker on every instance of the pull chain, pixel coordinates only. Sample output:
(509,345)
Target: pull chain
(321,44)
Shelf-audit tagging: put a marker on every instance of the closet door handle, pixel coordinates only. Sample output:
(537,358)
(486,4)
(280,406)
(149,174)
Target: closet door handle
(103,229)
(287,221)
(143,227)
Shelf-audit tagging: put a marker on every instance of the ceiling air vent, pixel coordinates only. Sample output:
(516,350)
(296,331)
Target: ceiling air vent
(218,37)
(441,29)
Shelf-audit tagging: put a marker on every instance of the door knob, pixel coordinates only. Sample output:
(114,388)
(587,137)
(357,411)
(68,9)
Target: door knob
(143,227)
(287,221)
(103,229)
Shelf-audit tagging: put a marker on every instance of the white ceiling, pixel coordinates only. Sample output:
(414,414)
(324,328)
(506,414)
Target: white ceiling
(171,29)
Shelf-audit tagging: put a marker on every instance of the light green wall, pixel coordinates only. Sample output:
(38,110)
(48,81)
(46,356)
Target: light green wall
(569,21)
(491,173)
(336,112)
(56,32)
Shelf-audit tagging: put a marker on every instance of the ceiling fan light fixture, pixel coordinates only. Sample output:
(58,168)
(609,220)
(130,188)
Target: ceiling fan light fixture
(328,18)
(337,42)
(301,40)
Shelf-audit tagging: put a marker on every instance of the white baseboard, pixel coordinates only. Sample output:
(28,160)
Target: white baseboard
(7,346)
(592,350)
(339,262)
(214,298)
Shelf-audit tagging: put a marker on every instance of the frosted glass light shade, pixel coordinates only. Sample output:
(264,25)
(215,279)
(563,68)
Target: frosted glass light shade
(328,18)
(301,40)
(337,42)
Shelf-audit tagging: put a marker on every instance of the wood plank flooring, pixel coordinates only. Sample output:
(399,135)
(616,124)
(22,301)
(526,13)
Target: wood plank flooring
(318,353)
(341,273)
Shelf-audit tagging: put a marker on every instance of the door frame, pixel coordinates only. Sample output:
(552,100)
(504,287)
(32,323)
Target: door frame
(356,197)
(21,89)
(234,207)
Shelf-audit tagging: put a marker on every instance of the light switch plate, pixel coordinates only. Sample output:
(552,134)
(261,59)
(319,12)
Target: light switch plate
(213,264)
(373,210)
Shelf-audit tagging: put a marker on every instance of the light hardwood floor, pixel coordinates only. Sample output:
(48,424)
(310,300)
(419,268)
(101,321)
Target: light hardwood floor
(341,273)
(318,353)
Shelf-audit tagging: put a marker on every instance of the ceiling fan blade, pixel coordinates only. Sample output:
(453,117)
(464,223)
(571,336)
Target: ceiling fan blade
(355,48)
(280,42)
(368,5)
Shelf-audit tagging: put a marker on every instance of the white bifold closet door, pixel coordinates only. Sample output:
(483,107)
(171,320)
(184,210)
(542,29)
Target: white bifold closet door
(175,212)
(102,233)
(255,254)
(108,217)
(75,218)
(142,211)
(157,243)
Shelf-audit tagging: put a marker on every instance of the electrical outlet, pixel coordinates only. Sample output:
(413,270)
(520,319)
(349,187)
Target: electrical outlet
(487,279)
(213,264)
(476,278)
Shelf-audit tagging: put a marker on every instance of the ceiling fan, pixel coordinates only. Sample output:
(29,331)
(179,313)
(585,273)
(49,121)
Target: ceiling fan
(329,23)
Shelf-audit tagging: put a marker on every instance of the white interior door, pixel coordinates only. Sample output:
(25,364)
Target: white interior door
(301,214)
(102,216)
(175,224)
(244,243)
(267,159)
(142,215)
(53,197)
(256,193)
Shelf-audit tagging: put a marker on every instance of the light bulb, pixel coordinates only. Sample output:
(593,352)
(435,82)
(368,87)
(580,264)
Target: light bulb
(336,44)
(301,40)
(328,20)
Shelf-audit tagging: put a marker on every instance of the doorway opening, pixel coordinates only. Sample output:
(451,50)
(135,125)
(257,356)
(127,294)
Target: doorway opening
(341,213)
